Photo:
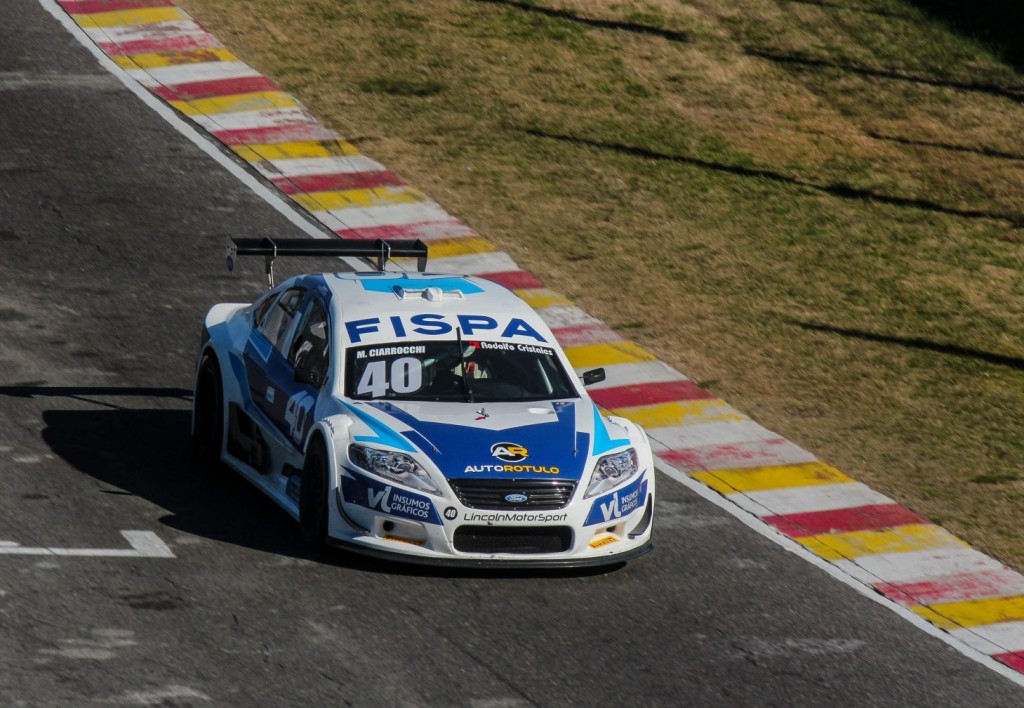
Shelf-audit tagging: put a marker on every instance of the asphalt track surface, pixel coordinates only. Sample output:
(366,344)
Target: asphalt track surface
(112,228)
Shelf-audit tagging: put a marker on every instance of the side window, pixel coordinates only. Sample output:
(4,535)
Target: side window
(262,309)
(278,321)
(310,350)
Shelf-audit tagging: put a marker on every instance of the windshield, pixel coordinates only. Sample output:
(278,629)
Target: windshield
(442,371)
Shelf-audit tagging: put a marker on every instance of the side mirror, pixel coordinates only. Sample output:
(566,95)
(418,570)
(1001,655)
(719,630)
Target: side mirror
(593,376)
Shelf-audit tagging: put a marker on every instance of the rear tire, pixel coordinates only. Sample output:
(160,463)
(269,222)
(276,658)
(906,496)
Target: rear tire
(208,412)
(313,502)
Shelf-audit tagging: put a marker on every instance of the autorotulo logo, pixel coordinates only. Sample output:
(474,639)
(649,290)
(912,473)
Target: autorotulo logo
(509,452)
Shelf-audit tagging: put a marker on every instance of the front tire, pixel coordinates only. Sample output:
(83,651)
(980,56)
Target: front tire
(208,415)
(313,502)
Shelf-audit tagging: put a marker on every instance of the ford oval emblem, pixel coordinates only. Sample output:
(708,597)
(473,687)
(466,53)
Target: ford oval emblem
(516,498)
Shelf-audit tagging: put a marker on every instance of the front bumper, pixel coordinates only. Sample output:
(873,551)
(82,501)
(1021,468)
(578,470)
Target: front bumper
(506,562)
(386,521)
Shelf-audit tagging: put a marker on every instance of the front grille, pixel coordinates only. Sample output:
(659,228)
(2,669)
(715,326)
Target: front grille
(513,539)
(491,493)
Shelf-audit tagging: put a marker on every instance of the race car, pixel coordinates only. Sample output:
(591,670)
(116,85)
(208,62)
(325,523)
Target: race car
(421,417)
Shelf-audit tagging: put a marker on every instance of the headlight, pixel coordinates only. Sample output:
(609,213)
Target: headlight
(611,471)
(395,466)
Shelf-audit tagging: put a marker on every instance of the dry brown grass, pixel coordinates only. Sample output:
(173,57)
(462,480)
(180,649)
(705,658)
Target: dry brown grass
(812,244)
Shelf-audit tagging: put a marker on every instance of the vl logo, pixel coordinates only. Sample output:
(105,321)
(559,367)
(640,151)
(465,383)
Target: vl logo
(379,499)
(509,452)
(611,509)
(629,501)
(618,505)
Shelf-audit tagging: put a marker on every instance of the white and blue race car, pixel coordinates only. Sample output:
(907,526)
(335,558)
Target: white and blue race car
(427,418)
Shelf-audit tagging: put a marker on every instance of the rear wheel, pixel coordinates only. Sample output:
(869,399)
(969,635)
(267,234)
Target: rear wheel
(208,411)
(313,503)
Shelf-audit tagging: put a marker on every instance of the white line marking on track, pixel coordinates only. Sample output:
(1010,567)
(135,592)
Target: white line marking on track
(556,316)
(173,29)
(389,215)
(99,647)
(998,638)
(302,167)
(757,453)
(28,459)
(679,437)
(821,497)
(493,262)
(144,544)
(247,120)
(169,695)
(918,566)
(192,73)
(811,646)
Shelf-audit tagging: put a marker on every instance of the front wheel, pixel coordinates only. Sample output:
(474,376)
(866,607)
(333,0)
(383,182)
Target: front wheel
(208,415)
(313,502)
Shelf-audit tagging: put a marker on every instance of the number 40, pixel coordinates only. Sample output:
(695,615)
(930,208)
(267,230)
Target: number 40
(406,377)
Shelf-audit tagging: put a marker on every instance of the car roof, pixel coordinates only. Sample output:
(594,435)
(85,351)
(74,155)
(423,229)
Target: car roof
(417,292)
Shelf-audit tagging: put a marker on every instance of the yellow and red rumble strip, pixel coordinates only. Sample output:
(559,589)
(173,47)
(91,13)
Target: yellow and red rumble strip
(865,534)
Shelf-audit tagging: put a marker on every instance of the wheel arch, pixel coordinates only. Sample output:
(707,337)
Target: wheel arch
(205,350)
(322,432)
(314,535)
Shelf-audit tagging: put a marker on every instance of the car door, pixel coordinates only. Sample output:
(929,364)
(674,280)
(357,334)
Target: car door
(307,369)
(267,368)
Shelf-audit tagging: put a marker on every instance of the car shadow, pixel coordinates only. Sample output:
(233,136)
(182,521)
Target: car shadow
(147,452)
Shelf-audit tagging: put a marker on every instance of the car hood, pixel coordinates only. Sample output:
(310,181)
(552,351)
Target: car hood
(538,440)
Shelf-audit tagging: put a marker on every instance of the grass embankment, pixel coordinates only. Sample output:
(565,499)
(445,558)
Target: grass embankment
(813,208)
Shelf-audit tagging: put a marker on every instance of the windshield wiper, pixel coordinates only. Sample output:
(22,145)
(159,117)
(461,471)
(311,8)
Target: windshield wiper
(462,359)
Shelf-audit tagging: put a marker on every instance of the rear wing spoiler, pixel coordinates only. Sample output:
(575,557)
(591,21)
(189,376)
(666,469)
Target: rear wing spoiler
(271,248)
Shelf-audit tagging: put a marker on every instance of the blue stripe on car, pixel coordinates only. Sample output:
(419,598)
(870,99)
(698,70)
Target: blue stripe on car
(602,441)
(383,435)
(462,450)
(388,285)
